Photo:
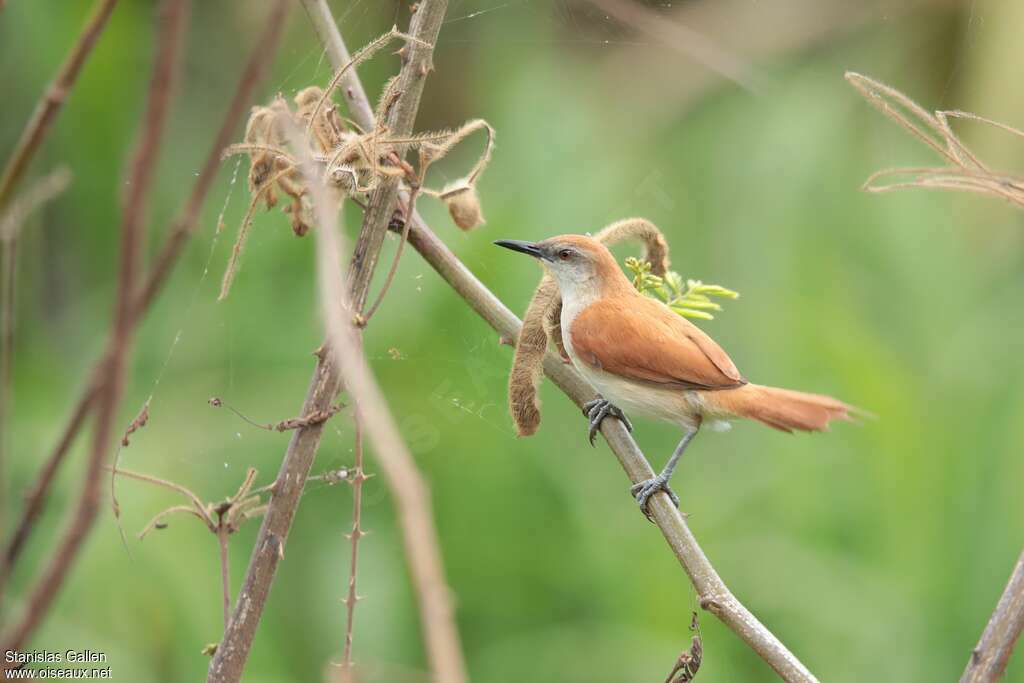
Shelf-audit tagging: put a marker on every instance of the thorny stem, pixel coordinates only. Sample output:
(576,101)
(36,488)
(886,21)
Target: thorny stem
(172,23)
(421,543)
(357,533)
(409,490)
(183,228)
(989,658)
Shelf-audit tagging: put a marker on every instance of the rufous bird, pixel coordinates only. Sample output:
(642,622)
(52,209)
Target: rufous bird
(642,356)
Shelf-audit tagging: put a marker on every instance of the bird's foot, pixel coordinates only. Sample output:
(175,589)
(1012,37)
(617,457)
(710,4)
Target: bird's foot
(643,491)
(600,408)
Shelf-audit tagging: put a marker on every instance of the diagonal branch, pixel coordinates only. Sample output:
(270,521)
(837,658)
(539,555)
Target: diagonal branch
(989,658)
(173,21)
(715,595)
(229,661)
(39,124)
(183,228)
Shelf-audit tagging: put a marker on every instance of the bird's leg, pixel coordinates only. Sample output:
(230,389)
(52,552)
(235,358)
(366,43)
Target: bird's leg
(600,408)
(647,488)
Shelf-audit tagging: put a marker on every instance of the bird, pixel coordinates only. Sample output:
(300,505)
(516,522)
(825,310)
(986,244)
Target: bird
(641,356)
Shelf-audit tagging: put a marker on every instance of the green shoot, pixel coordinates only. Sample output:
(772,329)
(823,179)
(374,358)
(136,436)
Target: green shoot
(689,298)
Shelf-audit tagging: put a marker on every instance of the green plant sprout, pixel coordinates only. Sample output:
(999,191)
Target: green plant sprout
(690,298)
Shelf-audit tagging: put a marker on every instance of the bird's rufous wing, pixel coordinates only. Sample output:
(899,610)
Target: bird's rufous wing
(641,339)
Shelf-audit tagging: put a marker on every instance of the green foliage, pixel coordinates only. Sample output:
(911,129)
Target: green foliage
(690,299)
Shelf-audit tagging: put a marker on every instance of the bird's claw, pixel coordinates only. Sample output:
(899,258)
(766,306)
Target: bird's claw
(643,491)
(600,408)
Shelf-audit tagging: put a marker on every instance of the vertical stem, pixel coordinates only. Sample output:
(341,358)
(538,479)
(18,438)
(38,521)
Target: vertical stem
(357,533)
(32,136)
(442,643)
(225,573)
(10,260)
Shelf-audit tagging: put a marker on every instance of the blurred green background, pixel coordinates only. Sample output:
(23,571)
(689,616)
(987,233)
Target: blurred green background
(875,552)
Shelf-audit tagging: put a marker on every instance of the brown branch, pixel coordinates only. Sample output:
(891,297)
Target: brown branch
(232,654)
(403,477)
(989,658)
(11,221)
(410,492)
(53,99)
(36,130)
(183,228)
(714,594)
(351,596)
(225,574)
(172,24)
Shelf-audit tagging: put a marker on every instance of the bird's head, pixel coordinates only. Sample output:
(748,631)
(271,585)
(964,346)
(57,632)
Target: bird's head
(574,261)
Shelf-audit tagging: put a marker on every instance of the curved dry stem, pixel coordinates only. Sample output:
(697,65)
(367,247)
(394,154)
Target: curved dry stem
(876,93)
(452,138)
(256,148)
(158,519)
(243,233)
(362,55)
(956,113)
(542,322)
(196,502)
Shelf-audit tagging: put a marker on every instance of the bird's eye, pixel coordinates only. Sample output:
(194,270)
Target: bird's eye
(565,254)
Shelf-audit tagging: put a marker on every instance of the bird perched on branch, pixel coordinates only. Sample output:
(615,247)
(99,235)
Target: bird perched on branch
(640,355)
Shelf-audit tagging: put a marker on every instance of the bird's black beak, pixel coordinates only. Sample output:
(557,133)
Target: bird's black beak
(521,246)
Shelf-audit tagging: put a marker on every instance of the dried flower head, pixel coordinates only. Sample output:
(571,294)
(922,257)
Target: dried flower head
(463,204)
(350,160)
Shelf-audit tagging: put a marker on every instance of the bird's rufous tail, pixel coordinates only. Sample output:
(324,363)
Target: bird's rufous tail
(782,409)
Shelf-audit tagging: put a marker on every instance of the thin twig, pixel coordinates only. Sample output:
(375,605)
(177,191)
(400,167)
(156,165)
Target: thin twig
(53,99)
(198,504)
(183,228)
(390,277)
(357,532)
(989,658)
(141,171)
(410,491)
(442,640)
(225,576)
(714,594)
(11,221)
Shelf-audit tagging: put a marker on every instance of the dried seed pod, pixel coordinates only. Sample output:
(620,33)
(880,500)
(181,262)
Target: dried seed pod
(463,204)
(327,127)
(524,379)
